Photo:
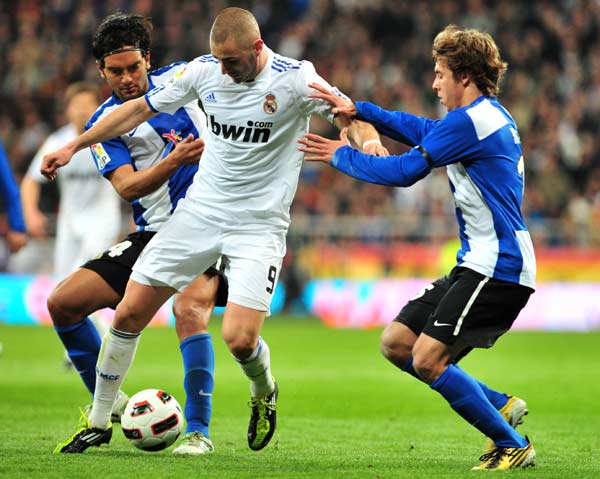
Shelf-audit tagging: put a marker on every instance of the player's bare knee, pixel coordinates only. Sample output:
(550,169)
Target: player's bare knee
(427,367)
(241,346)
(128,317)
(424,370)
(394,348)
(62,309)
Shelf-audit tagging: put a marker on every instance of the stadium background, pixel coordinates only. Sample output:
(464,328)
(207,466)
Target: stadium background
(359,249)
(352,233)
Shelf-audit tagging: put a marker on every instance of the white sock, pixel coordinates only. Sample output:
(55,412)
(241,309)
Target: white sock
(258,369)
(115,358)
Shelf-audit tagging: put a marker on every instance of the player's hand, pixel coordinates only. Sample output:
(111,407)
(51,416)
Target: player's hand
(317,148)
(188,151)
(376,149)
(342,108)
(15,240)
(55,160)
(36,223)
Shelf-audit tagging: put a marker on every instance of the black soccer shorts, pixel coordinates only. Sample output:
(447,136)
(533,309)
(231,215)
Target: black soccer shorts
(115,264)
(466,309)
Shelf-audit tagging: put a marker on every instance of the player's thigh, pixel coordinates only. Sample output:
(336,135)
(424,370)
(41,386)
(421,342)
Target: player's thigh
(200,293)
(192,308)
(80,294)
(430,357)
(253,264)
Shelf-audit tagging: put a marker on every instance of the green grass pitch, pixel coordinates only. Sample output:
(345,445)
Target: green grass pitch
(344,412)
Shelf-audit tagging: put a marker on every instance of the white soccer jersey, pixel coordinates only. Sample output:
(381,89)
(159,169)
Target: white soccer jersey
(249,170)
(89,217)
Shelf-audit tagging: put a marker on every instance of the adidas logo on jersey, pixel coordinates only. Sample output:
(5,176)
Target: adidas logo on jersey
(254,132)
(210,98)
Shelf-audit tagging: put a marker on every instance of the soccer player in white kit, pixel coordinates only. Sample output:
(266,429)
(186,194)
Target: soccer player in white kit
(152,167)
(89,210)
(257,104)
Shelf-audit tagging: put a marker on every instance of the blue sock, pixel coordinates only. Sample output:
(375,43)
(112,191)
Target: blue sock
(82,343)
(466,397)
(497,399)
(198,366)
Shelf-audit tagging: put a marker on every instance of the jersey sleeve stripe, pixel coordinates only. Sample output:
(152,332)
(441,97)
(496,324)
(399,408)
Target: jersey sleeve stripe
(426,155)
(150,104)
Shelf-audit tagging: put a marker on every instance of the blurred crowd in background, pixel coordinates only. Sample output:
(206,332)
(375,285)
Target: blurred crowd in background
(373,50)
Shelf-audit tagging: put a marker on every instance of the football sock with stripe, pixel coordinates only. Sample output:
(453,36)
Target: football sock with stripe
(198,367)
(257,368)
(497,399)
(116,356)
(82,343)
(466,397)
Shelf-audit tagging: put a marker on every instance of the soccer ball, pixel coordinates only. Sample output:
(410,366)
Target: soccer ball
(152,420)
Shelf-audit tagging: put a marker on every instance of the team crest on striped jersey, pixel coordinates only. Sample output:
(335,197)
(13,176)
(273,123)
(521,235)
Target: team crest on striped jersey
(270,104)
(174,136)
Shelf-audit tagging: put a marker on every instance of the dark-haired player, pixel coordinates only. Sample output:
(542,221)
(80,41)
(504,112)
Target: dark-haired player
(151,166)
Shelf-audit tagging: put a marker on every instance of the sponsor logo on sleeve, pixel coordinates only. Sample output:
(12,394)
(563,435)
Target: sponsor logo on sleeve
(100,155)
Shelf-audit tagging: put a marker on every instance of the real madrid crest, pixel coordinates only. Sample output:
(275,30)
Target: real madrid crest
(270,104)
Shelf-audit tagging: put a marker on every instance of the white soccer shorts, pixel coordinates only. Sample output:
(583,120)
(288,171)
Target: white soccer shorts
(188,245)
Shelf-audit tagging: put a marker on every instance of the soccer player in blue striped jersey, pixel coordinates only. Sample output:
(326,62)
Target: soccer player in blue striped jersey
(478,143)
(151,166)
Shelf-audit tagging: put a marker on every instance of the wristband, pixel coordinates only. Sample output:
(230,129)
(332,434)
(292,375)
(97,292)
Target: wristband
(370,142)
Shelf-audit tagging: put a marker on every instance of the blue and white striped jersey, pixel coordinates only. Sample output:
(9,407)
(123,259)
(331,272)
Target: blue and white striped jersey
(480,146)
(148,144)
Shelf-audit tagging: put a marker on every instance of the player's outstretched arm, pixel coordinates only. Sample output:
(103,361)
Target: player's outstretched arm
(318,148)
(132,185)
(397,170)
(342,108)
(120,121)
(364,136)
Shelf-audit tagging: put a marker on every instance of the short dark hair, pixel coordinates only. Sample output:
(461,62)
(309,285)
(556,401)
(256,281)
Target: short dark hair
(118,30)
